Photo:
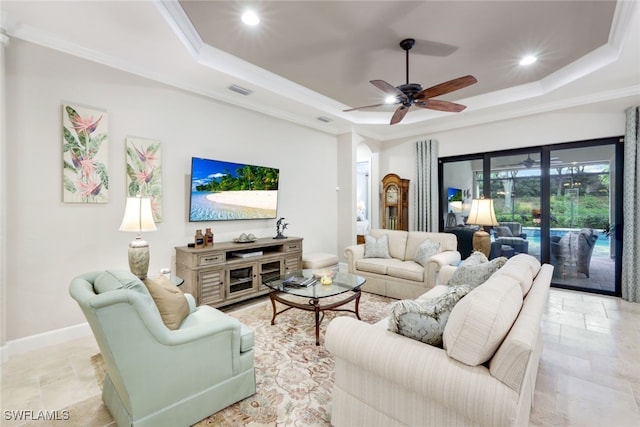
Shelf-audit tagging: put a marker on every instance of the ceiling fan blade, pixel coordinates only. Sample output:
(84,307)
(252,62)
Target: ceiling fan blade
(399,114)
(434,104)
(446,87)
(364,106)
(389,89)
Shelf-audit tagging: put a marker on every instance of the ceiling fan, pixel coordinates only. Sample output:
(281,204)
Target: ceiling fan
(528,163)
(410,94)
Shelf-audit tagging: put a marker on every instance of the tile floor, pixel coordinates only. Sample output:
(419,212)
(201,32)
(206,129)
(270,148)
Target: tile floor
(589,373)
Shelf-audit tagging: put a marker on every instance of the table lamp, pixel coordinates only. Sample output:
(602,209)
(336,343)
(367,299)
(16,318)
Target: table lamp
(138,217)
(482,214)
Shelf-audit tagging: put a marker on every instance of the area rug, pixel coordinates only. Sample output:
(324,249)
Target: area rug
(294,376)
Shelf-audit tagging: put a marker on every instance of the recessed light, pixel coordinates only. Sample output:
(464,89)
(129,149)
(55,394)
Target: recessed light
(249,17)
(528,60)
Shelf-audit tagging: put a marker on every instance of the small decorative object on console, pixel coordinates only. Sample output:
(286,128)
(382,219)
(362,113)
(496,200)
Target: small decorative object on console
(208,237)
(245,238)
(280,227)
(199,239)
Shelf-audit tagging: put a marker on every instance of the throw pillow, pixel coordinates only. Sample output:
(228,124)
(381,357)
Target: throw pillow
(376,248)
(474,275)
(171,302)
(503,231)
(427,249)
(424,320)
(475,258)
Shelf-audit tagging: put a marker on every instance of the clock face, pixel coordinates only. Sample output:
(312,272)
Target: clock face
(392,195)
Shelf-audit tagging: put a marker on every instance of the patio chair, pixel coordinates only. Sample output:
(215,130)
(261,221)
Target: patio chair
(510,234)
(573,249)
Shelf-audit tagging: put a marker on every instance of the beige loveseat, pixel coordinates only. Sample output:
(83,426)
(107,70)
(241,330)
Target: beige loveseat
(401,276)
(484,376)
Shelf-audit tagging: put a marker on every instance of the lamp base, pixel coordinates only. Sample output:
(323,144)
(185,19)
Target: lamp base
(139,258)
(482,242)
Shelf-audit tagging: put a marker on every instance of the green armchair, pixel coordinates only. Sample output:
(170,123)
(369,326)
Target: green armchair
(156,376)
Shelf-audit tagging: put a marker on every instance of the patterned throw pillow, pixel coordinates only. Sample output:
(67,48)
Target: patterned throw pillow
(475,275)
(427,249)
(376,248)
(424,320)
(475,258)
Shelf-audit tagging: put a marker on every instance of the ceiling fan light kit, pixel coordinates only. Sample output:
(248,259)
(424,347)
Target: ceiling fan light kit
(412,94)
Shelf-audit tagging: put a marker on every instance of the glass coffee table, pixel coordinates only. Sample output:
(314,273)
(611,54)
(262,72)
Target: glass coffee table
(316,292)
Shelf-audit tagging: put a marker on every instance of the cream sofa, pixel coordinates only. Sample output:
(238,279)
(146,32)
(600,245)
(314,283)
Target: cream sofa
(400,276)
(386,379)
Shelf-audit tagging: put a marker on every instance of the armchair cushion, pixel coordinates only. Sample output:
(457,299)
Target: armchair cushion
(424,320)
(376,248)
(171,302)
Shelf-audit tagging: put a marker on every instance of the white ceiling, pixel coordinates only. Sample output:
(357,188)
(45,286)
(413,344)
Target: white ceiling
(315,58)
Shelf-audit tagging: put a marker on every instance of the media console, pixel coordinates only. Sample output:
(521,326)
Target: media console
(229,272)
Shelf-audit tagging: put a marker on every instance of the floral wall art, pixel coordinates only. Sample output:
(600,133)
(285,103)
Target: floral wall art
(85,155)
(144,172)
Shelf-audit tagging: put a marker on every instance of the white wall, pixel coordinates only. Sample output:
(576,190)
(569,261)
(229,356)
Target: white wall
(50,242)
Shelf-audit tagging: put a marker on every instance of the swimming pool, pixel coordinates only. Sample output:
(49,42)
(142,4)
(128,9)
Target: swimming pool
(533,236)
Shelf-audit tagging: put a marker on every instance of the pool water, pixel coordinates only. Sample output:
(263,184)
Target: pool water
(533,236)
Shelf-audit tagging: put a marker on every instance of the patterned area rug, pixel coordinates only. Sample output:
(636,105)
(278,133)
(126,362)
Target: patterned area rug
(294,376)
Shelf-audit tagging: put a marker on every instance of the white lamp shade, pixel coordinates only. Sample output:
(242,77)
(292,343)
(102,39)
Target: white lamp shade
(482,212)
(138,216)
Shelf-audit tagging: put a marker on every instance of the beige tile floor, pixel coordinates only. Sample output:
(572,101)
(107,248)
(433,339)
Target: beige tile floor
(589,373)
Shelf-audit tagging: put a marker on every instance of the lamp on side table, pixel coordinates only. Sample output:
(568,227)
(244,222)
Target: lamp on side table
(482,214)
(138,217)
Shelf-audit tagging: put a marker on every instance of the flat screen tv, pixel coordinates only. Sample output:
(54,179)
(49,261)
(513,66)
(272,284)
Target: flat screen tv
(454,195)
(223,191)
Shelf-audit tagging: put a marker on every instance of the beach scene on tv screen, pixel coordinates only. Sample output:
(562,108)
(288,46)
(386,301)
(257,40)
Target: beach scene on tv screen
(230,191)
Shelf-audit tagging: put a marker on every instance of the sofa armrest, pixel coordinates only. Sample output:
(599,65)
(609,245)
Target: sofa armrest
(420,368)
(435,264)
(353,253)
(445,274)
(445,258)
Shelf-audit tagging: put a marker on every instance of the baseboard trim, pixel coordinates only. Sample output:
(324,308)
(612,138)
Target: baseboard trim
(45,339)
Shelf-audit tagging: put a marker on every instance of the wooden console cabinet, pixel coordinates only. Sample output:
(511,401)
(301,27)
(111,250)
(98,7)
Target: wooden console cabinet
(219,275)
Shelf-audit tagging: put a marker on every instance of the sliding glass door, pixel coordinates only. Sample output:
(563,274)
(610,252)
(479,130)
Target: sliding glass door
(582,208)
(515,186)
(558,203)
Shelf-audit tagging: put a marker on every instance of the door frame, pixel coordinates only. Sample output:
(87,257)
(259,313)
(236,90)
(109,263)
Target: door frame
(545,193)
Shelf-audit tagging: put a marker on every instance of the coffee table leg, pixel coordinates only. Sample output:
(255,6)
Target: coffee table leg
(273,303)
(358,305)
(316,306)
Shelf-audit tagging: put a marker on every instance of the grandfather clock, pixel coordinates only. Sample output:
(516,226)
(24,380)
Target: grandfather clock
(395,202)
